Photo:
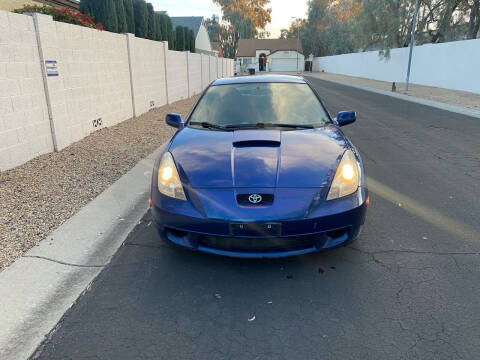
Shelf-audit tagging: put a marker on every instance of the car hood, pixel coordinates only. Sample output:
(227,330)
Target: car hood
(258,158)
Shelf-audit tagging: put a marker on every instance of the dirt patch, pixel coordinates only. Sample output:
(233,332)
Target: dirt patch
(41,194)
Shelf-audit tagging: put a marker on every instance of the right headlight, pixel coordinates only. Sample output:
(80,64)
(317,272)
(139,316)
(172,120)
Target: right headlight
(346,178)
(168,180)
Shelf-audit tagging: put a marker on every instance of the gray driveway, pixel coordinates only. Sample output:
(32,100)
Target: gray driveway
(407,289)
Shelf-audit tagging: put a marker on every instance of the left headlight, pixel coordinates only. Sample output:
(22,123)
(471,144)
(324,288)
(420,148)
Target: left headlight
(346,178)
(168,180)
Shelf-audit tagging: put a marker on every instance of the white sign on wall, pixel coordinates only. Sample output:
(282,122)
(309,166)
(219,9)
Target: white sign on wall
(51,67)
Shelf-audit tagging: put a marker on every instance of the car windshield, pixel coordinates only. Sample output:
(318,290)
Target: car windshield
(254,104)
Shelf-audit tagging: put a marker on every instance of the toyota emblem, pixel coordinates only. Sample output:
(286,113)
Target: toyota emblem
(255,198)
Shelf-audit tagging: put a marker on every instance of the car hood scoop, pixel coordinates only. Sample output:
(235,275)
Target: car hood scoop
(257,158)
(256,138)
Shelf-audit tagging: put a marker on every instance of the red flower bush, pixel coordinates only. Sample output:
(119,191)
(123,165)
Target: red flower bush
(62,15)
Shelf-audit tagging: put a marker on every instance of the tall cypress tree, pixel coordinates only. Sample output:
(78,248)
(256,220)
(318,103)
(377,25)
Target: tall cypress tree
(128,5)
(151,22)
(164,27)
(108,15)
(171,34)
(172,40)
(158,27)
(121,17)
(191,38)
(94,8)
(180,38)
(141,18)
(87,7)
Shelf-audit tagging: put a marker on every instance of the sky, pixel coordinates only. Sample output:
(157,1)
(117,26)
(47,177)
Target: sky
(282,11)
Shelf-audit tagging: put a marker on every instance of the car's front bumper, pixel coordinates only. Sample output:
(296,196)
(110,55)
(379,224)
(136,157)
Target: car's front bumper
(298,236)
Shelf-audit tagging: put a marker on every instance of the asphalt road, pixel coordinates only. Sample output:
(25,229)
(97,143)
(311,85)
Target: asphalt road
(407,289)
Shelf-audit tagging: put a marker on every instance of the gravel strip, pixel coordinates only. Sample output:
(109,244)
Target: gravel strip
(41,194)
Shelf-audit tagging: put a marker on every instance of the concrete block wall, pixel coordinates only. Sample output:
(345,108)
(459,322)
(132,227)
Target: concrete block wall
(177,75)
(103,79)
(447,65)
(226,68)
(219,67)
(213,68)
(205,70)
(148,78)
(24,121)
(93,88)
(194,74)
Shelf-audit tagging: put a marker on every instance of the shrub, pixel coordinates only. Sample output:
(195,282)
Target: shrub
(180,38)
(62,15)
(141,18)
(109,15)
(128,5)
(151,22)
(121,17)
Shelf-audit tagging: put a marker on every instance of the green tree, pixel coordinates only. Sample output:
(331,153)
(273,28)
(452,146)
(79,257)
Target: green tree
(172,42)
(171,34)
(180,38)
(158,27)
(88,7)
(474,20)
(283,34)
(121,17)
(191,41)
(245,17)
(151,22)
(129,15)
(341,26)
(109,15)
(164,19)
(224,34)
(214,28)
(141,18)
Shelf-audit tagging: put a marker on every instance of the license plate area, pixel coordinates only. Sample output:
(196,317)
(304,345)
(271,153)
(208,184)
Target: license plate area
(256,229)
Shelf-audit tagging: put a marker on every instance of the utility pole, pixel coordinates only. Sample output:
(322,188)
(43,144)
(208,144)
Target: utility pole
(412,41)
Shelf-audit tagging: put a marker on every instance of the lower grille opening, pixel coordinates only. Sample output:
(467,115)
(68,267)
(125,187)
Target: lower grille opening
(257,244)
(336,233)
(176,233)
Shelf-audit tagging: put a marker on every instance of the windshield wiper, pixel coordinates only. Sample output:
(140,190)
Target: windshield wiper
(265,125)
(208,125)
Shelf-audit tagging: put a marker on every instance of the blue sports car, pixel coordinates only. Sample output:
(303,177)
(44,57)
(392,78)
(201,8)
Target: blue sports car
(259,169)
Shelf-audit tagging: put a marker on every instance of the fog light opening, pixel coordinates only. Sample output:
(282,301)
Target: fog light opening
(177,233)
(336,233)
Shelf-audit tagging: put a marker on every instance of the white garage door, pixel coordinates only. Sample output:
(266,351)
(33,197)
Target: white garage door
(284,64)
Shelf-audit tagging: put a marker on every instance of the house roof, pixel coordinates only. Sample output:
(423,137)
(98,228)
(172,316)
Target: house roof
(247,47)
(191,22)
(71,4)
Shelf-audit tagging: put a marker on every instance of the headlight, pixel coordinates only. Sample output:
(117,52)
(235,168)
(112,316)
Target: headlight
(346,178)
(168,180)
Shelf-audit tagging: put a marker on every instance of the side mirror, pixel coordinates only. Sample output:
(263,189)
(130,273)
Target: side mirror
(346,117)
(174,120)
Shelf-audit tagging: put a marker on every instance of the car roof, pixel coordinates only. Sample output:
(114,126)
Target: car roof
(259,79)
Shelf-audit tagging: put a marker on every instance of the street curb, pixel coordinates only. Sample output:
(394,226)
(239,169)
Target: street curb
(43,284)
(431,103)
